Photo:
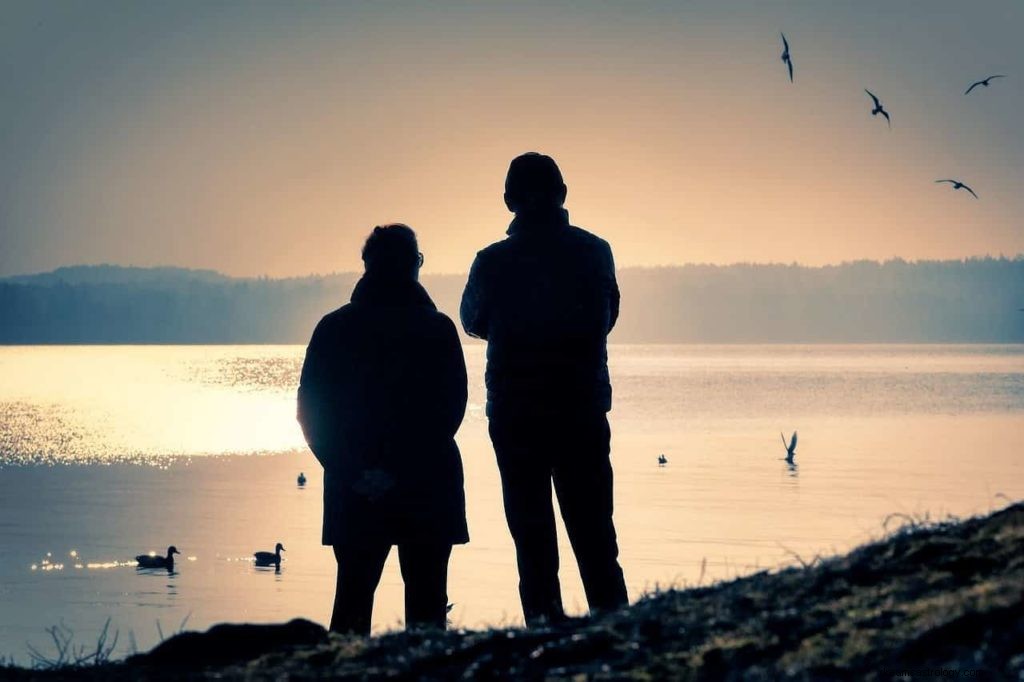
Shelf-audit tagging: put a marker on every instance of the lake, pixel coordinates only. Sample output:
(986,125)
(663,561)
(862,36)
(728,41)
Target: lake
(111,451)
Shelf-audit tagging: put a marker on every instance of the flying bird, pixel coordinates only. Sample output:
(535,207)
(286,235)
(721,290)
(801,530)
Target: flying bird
(959,185)
(662,460)
(785,55)
(983,81)
(878,108)
(147,561)
(270,558)
(791,448)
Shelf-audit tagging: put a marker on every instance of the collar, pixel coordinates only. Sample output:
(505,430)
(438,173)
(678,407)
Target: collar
(539,222)
(380,291)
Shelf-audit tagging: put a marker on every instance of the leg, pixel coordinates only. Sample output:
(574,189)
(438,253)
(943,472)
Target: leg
(359,569)
(526,489)
(583,483)
(425,573)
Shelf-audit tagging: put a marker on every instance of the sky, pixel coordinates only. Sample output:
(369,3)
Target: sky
(268,138)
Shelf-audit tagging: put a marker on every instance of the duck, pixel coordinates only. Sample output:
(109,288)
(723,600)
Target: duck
(149,561)
(270,558)
(301,479)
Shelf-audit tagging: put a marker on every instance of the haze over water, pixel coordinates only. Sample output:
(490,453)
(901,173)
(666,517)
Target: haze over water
(113,451)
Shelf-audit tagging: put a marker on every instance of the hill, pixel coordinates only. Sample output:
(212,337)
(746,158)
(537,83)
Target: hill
(968,301)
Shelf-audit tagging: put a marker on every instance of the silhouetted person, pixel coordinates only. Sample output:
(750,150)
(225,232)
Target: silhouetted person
(545,299)
(382,393)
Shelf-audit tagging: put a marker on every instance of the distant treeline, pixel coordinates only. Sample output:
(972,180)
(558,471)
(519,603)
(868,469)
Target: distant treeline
(975,300)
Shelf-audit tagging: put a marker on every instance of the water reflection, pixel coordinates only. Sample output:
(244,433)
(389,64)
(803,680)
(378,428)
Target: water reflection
(718,509)
(275,569)
(141,404)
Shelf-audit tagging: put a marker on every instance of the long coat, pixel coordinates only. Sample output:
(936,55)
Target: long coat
(382,393)
(545,299)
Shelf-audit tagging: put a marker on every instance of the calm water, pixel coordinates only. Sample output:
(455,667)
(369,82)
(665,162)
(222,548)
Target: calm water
(107,452)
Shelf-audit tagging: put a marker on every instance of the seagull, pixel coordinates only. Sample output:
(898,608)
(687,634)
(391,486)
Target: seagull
(662,460)
(301,480)
(959,185)
(791,448)
(270,558)
(983,81)
(878,108)
(148,561)
(785,55)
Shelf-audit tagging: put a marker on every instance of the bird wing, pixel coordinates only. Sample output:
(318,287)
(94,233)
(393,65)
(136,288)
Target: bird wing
(973,85)
(789,63)
(887,119)
(953,181)
(792,443)
(968,189)
(785,43)
(998,75)
(783,437)
(877,103)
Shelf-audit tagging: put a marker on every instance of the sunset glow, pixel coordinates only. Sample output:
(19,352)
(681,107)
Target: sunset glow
(269,139)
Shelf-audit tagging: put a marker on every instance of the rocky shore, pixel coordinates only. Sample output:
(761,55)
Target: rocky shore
(929,601)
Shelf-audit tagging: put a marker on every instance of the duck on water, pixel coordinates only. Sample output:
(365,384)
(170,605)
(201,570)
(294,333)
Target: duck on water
(270,558)
(149,561)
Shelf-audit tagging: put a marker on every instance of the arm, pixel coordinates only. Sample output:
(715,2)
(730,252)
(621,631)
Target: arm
(613,291)
(311,400)
(454,379)
(473,310)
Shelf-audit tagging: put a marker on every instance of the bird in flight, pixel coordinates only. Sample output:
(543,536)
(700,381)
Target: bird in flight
(983,81)
(878,108)
(790,448)
(959,185)
(785,55)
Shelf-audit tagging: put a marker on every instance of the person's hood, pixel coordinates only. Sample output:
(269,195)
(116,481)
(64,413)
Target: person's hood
(392,292)
(539,222)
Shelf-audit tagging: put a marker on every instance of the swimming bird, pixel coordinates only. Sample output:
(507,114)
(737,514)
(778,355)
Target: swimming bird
(301,479)
(270,558)
(147,561)
(785,55)
(959,185)
(791,448)
(662,460)
(878,108)
(983,81)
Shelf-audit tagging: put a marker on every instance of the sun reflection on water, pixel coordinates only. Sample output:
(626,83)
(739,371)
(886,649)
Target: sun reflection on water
(142,404)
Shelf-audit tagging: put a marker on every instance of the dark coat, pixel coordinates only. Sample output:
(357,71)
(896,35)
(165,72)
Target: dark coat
(382,393)
(545,299)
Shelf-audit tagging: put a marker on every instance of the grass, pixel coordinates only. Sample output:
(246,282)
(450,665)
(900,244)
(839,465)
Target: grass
(69,655)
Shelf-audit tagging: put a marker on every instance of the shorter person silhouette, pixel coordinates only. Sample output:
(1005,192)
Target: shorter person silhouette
(382,393)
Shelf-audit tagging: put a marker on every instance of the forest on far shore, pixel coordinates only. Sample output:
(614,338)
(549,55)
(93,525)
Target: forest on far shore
(978,300)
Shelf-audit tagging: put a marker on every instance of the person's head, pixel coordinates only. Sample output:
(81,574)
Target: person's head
(391,252)
(533,183)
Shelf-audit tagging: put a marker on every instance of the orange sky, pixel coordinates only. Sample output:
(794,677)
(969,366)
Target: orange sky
(260,139)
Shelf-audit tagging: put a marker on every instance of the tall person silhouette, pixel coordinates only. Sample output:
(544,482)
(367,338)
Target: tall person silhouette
(545,299)
(382,393)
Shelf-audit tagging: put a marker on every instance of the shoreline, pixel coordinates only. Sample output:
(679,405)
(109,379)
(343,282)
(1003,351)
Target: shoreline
(931,598)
